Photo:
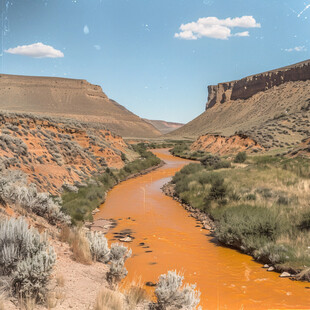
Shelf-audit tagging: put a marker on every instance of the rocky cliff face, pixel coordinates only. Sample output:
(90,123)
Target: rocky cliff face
(251,85)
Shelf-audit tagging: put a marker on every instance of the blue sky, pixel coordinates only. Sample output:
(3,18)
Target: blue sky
(137,52)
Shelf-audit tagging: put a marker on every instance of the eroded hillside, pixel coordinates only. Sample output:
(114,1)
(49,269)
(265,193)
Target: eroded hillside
(71,98)
(278,116)
(53,152)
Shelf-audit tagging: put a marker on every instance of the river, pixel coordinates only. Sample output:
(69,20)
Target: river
(173,240)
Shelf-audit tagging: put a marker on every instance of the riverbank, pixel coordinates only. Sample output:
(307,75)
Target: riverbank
(253,209)
(80,202)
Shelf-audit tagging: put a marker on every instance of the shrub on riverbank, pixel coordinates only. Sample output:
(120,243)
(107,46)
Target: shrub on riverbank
(26,260)
(79,205)
(261,208)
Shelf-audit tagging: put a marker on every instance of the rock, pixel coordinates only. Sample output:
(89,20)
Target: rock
(126,239)
(150,284)
(251,85)
(266,266)
(285,274)
(270,269)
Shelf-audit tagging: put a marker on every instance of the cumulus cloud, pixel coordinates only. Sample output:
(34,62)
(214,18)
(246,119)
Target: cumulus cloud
(296,49)
(212,27)
(86,29)
(36,50)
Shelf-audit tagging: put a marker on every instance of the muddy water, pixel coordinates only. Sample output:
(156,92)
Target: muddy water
(172,240)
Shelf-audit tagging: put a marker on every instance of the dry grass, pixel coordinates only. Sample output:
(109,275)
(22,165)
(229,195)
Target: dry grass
(135,293)
(80,247)
(65,234)
(304,275)
(109,300)
(2,302)
(27,303)
(60,280)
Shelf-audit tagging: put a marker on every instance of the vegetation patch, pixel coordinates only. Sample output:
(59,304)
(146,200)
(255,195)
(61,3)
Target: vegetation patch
(260,208)
(79,205)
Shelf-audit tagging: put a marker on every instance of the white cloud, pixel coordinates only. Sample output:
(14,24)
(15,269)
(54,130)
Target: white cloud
(215,28)
(242,34)
(97,47)
(86,29)
(36,50)
(296,49)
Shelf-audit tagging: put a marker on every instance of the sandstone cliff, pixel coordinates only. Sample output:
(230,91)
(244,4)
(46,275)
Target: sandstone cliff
(251,85)
(276,117)
(71,98)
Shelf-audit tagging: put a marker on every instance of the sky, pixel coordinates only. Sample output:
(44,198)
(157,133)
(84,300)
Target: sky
(155,57)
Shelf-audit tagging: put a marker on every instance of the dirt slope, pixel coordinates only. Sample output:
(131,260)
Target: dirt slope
(163,126)
(276,117)
(56,151)
(221,145)
(71,98)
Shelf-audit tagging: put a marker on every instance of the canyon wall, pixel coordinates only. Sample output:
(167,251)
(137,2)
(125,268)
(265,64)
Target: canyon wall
(251,85)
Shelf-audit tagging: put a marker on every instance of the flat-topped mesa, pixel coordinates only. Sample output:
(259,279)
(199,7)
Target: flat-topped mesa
(251,85)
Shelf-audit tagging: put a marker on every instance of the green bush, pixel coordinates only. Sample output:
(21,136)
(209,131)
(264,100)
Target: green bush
(248,227)
(218,189)
(240,157)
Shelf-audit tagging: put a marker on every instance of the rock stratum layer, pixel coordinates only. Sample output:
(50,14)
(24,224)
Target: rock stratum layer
(276,117)
(251,85)
(53,152)
(71,98)
(221,145)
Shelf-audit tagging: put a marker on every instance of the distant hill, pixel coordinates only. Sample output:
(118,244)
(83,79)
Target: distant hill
(273,108)
(163,126)
(71,98)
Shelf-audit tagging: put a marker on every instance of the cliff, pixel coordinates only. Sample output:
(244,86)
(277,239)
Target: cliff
(72,98)
(251,85)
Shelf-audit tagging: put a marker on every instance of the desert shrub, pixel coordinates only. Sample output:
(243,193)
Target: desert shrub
(218,189)
(117,257)
(26,258)
(240,157)
(98,246)
(14,189)
(213,162)
(272,253)
(170,292)
(305,221)
(248,227)
(180,149)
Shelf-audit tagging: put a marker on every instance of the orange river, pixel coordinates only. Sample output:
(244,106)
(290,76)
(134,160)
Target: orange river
(226,278)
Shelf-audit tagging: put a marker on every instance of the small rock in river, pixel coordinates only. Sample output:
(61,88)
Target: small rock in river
(266,266)
(150,284)
(127,239)
(270,269)
(285,274)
